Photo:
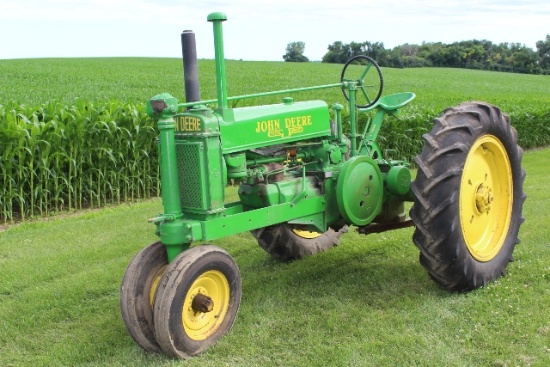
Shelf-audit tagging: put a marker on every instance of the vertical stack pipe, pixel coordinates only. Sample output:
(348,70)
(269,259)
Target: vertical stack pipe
(190,66)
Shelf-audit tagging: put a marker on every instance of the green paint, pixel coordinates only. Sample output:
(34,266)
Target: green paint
(292,159)
(221,83)
(255,127)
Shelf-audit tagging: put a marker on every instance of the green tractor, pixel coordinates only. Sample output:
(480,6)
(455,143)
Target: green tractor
(303,181)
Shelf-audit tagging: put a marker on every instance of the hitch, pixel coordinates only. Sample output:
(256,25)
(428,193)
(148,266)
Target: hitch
(383,227)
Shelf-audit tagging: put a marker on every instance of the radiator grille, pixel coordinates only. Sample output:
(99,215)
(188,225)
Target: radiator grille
(190,174)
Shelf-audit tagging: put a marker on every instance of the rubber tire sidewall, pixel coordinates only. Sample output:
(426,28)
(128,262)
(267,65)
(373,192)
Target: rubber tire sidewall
(281,242)
(136,311)
(172,291)
(439,236)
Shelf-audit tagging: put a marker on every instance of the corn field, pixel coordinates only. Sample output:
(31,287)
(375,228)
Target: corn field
(93,143)
(58,157)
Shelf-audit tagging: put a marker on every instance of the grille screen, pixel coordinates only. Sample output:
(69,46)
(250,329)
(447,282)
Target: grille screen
(189,157)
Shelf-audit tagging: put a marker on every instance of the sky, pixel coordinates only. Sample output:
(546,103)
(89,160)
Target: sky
(256,29)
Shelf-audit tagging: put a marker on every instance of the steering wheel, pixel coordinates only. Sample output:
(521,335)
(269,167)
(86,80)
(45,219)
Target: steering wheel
(367,74)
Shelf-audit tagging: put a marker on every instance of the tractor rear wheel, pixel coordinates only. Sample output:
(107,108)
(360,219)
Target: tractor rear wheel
(468,196)
(288,242)
(137,294)
(197,301)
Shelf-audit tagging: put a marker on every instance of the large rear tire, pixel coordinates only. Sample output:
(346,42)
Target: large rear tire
(468,196)
(287,242)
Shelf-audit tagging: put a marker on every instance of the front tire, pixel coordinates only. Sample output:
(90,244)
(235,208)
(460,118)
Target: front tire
(197,301)
(137,294)
(468,196)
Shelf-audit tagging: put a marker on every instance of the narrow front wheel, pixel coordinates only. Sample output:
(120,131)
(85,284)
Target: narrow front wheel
(137,294)
(197,301)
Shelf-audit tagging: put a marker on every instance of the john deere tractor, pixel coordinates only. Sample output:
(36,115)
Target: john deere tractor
(303,181)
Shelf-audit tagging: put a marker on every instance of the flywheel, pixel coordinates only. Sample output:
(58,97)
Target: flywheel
(360,190)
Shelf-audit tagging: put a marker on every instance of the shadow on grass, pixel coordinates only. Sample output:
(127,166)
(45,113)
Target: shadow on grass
(377,277)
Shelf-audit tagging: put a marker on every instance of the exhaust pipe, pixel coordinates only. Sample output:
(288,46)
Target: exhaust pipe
(190,66)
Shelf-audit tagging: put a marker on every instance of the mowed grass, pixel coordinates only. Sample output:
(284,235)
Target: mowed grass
(367,302)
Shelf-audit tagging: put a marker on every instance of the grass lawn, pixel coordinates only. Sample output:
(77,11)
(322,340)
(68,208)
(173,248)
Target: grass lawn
(367,302)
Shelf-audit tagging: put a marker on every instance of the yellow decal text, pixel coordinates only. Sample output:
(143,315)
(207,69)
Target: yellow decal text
(274,128)
(188,123)
(271,127)
(295,125)
(298,121)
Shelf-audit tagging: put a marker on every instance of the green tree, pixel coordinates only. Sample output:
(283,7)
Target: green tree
(407,56)
(377,51)
(472,54)
(524,60)
(543,49)
(338,53)
(295,52)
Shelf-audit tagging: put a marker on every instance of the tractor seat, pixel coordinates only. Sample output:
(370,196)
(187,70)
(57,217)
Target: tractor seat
(391,102)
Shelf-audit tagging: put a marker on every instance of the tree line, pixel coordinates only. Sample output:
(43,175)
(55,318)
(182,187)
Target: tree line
(474,54)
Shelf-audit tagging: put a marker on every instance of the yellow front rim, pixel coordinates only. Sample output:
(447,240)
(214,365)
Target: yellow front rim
(155,284)
(486,198)
(200,325)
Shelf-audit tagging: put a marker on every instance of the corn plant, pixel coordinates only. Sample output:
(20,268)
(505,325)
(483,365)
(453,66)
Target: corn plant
(57,157)
(71,153)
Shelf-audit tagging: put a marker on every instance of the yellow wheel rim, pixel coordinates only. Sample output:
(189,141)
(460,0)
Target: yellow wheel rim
(306,234)
(200,324)
(486,198)
(155,284)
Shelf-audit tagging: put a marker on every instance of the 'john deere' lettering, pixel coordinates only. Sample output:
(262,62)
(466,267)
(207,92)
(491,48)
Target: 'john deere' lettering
(298,121)
(269,125)
(188,123)
(293,125)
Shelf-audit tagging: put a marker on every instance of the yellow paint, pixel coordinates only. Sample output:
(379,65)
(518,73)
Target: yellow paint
(188,124)
(298,121)
(200,325)
(275,129)
(267,125)
(155,284)
(306,234)
(276,134)
(295,130)
(485,198)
